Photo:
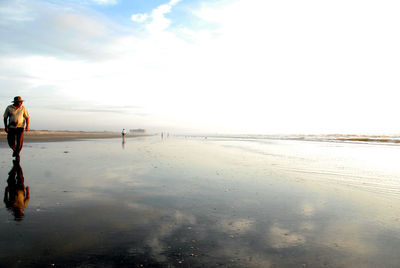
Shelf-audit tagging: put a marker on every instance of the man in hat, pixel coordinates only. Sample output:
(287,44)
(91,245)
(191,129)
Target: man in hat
(15,118)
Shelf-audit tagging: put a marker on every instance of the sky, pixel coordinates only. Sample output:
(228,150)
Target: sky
(209,66)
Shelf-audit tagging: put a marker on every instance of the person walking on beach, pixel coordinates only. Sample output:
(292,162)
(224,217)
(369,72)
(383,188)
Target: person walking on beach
(123,133)
(16,117)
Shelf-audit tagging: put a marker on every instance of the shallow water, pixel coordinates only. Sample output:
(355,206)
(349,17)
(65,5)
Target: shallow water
(204,203)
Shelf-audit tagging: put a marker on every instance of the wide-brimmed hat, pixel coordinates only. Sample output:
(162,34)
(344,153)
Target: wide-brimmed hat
(18,99)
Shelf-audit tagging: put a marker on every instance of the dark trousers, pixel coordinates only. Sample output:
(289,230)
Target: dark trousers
(15,138)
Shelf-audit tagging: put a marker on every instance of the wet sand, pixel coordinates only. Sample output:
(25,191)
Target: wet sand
(196,202)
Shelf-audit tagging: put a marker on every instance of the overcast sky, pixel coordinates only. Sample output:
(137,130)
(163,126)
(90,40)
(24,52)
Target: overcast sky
(225,66)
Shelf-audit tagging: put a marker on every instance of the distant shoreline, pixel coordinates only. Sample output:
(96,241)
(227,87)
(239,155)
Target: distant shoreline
(49,135)
(349,138)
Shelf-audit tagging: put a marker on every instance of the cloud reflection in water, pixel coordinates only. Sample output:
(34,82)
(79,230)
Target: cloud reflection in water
(158,204)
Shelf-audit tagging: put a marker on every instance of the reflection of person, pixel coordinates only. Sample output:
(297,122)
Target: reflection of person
(15,117)
(16,196)
(123,143)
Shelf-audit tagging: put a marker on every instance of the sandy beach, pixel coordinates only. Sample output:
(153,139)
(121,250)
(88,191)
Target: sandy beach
(52,136)
(203,202)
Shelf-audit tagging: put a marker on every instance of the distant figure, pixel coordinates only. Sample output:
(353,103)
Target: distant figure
(16,196)
(123,133)
(15,118)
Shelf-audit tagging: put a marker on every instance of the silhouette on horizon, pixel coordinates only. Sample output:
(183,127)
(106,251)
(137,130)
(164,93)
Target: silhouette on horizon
(123,134)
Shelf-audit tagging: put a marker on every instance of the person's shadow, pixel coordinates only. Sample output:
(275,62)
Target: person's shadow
(16,196)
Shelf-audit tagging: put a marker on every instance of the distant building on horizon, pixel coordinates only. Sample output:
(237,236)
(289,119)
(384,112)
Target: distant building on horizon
(137,130)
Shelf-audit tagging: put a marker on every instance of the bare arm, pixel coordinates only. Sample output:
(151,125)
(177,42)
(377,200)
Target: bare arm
(27,124)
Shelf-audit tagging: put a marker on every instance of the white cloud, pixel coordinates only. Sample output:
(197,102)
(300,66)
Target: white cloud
(279,237)
(258,66)
(165,230)
(52,30)
(15,13)
(158,21)
(307,209)
(139,17)
(80,25)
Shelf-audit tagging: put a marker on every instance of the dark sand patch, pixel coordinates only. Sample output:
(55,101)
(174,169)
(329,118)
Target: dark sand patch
(47,136)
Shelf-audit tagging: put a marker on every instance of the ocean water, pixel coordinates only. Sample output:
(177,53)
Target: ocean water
(202,202)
